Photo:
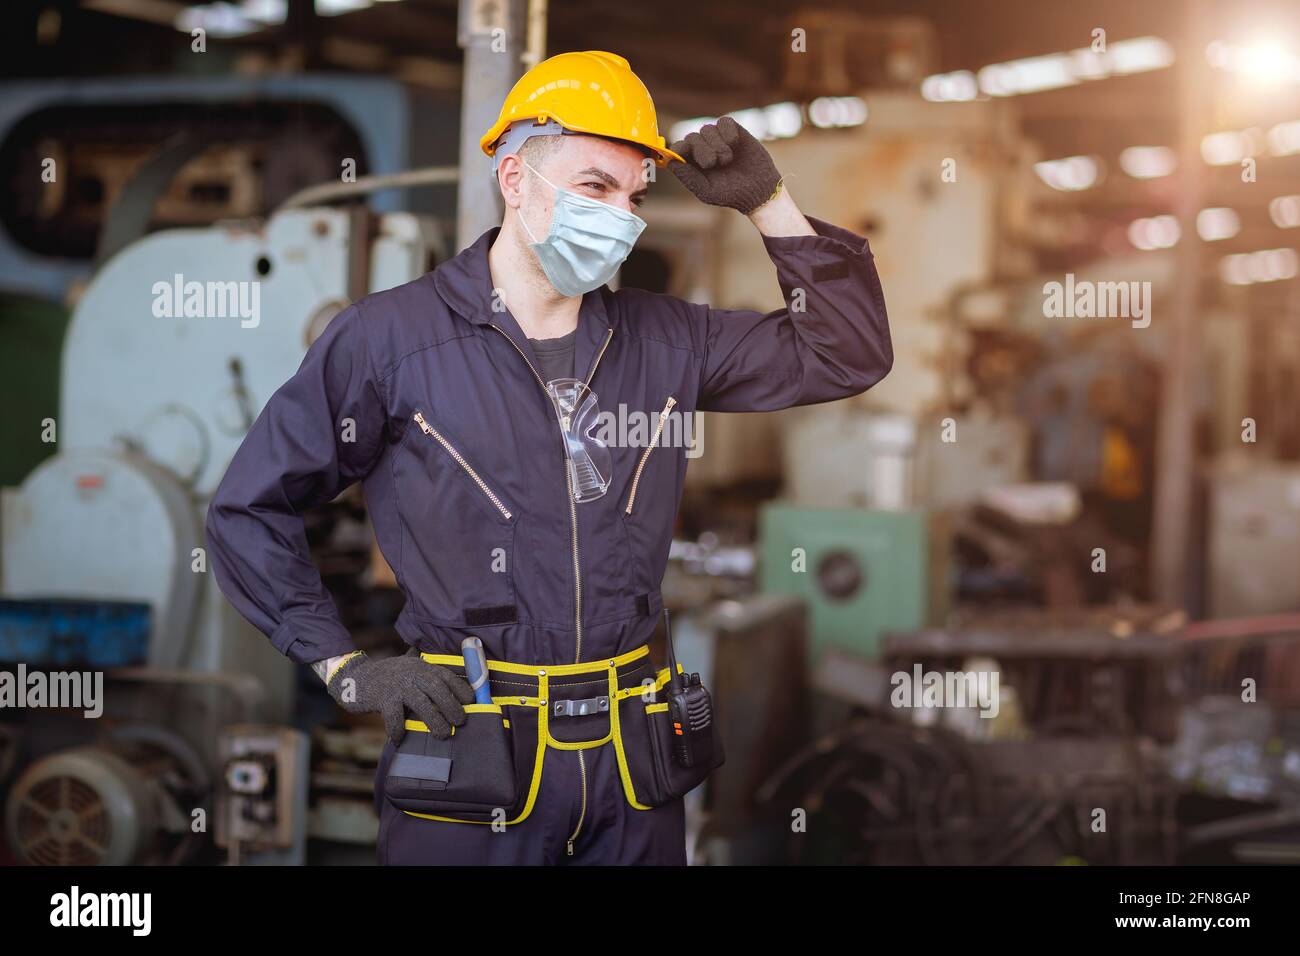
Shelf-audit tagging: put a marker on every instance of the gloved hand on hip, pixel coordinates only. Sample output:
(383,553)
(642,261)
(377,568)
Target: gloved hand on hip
(726,166)
(396,685)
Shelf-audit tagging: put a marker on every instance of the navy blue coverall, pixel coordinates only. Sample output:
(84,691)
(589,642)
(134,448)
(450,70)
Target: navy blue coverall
(474,514)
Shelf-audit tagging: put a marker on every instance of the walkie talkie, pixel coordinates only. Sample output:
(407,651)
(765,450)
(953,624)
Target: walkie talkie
(691,711)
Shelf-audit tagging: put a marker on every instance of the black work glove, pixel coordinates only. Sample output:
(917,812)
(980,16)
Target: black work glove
(726,166)
(396,685)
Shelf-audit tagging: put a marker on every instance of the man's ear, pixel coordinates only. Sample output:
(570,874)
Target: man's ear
(510,179)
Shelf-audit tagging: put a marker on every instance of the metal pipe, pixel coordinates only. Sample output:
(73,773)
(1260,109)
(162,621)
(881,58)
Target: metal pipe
(324,193)
(1234,827)
(246,690)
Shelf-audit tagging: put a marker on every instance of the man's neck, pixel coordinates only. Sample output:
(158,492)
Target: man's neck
(541,312)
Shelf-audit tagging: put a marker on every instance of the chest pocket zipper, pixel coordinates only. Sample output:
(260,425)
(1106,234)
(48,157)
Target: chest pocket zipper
(437,436)
(654,441)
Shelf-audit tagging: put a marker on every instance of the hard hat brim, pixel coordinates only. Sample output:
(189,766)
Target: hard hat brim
(488,142)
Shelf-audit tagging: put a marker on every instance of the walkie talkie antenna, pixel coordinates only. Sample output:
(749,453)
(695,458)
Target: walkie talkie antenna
(674,683)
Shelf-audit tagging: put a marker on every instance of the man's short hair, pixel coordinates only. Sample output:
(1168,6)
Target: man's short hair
(535,149)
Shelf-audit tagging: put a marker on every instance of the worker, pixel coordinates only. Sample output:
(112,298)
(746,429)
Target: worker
(452,399)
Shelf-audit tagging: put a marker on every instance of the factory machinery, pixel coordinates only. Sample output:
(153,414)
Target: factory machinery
(1119,737)
(1123,733)
(103,552)
(120,430)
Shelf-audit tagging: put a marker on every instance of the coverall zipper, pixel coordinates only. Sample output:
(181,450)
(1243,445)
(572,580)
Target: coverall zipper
(460,460)
(577,568)
(573,507)
(654,441)
(582,812)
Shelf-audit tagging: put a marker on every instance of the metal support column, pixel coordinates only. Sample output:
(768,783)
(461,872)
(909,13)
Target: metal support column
(1175,465)
(493,35)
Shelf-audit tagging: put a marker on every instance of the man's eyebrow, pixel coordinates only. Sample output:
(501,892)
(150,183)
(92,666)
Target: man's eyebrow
(600,174)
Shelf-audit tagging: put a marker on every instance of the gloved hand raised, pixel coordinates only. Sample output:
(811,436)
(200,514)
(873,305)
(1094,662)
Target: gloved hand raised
(396,685)
(726,166)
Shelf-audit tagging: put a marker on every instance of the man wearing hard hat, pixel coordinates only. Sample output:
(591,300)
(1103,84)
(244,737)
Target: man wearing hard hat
(466,403)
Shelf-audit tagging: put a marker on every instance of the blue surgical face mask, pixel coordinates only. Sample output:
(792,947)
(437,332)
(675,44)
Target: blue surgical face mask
(587,242)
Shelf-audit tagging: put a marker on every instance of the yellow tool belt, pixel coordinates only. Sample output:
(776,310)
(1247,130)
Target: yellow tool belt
(569,707)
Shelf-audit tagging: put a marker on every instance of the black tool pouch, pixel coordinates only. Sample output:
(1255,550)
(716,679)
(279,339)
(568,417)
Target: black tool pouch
(675,779)
(647,739)
(470,775)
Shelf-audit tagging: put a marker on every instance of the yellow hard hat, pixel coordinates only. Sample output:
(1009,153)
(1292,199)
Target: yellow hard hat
(592,92)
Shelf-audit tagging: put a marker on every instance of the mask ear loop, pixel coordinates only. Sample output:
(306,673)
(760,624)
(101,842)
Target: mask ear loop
(537,174)
(522,221)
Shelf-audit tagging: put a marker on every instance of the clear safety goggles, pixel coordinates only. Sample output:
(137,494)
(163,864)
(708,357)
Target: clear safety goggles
(590,462)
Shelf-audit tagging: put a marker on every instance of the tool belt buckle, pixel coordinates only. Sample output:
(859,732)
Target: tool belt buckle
(580,708)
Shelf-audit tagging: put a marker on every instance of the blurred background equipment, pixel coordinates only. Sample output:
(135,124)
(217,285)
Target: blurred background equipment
(1254,538)
(136,153)
(56,633)
(117,512)
(752,655)
(1114,743)
(261,806)
(861,573)
(127,800)
(102,555)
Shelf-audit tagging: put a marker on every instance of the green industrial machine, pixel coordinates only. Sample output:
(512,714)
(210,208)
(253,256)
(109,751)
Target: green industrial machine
(861,573)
